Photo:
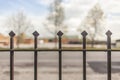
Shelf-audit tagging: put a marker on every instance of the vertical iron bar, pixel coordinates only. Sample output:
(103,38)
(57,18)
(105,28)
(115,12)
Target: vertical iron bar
(84,34)
(11,60)
(84,58)
(35,59)
(35,54)
(60,55)
(109,55)
(109,58)
(60,60)
(11,55)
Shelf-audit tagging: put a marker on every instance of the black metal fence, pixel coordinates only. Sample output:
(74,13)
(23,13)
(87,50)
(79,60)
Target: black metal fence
(84,50)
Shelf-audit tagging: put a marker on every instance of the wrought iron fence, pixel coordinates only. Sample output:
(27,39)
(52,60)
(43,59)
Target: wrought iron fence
(60,49)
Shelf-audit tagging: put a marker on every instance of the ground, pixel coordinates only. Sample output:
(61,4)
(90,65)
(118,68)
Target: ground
(48,66)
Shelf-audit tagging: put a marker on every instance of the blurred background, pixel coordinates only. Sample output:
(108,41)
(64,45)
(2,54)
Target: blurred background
(47,17)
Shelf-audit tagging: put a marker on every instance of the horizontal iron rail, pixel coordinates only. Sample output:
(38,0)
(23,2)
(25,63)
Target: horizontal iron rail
(59,50)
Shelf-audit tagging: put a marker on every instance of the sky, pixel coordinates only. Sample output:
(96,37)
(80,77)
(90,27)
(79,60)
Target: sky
(75,12)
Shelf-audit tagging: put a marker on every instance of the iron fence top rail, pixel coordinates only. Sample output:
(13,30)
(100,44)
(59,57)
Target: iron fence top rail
(5,50)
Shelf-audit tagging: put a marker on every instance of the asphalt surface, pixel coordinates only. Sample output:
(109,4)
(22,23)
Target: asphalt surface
(95,60)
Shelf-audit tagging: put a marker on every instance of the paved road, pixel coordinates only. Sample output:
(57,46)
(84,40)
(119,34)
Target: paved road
(96,60)
(67,56)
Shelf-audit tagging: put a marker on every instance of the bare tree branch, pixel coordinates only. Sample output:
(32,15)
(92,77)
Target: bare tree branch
(93,21)
(19,23)
(55,18)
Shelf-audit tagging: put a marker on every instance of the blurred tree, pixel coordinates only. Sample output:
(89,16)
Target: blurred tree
(93,23)
(19,23)
(55,19)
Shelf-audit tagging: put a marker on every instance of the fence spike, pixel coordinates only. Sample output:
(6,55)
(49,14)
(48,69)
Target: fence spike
(12,34)
(60,54)
(84,33)
(108,33)
(35,33)
(60,33)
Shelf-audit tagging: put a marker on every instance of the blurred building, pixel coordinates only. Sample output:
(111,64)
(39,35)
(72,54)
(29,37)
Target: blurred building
(4,41)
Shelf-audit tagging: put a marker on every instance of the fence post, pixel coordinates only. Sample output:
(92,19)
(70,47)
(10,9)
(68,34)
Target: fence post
(84,34)
(11,34)
(60,55)
(108,33)
(36,34)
